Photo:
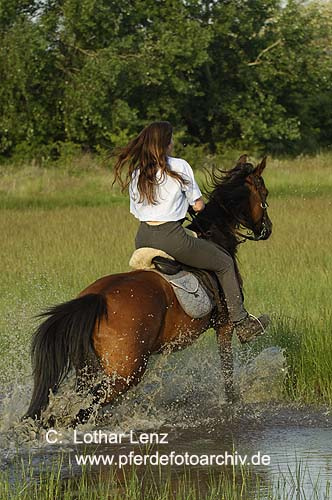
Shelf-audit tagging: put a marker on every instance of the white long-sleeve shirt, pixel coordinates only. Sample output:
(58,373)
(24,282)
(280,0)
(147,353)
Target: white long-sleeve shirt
(172,198)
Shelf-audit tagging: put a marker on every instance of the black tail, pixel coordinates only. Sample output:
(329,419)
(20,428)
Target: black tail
(63,341)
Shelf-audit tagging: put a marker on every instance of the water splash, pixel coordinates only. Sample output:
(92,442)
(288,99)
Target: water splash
(182,394)
(262,378)
(185,390)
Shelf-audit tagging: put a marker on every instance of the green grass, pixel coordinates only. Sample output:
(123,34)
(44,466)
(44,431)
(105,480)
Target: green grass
(62,229)
(35,187)
(289,276)
(86,183)
(26,482)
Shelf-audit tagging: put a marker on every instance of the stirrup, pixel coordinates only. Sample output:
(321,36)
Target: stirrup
(258,321)
(247,330)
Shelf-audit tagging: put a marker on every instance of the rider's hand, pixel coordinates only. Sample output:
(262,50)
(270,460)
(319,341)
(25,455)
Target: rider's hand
(199,205)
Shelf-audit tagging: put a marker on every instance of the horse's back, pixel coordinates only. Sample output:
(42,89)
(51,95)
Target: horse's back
(132,286)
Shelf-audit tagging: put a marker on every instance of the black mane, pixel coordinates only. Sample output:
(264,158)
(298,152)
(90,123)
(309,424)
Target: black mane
(228,203)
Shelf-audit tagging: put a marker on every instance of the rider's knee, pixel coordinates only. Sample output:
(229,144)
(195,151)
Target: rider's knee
(225,263)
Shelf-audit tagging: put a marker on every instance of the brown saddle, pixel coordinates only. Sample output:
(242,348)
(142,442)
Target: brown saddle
(166,266)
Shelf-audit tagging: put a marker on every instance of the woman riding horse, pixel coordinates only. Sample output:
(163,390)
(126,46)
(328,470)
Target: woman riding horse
(112,328)
(161,189)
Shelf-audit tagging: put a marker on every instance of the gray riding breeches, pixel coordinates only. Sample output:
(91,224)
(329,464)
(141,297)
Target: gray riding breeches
(172,238)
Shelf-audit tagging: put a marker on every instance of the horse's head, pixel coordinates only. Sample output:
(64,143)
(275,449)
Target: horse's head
(256,219)
(236,198)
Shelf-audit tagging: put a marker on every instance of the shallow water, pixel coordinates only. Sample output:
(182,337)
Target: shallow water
(182,396)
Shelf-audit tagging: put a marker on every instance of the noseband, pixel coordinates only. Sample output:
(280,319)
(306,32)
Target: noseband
(250,235)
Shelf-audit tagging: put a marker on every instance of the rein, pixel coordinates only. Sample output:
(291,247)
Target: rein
(194,219)
(250,235)
(264,205)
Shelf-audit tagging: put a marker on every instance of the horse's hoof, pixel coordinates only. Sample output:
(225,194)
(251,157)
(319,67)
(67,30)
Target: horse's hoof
(82,417)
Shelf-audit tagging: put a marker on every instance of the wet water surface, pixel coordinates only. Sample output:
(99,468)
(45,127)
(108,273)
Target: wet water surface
(184,405)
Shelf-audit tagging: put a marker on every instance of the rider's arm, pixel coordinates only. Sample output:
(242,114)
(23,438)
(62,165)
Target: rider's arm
(191,188)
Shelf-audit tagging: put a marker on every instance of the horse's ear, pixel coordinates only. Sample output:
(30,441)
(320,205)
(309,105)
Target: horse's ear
(260,167)
(242,161)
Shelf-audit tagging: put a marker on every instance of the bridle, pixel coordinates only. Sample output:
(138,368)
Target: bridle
(250,235)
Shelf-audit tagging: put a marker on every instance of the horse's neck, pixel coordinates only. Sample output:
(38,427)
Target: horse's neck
(219,225)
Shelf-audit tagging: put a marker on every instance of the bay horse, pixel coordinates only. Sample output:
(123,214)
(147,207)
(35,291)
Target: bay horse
(117,322)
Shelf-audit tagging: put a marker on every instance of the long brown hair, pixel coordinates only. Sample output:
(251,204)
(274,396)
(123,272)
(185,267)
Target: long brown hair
(146,153)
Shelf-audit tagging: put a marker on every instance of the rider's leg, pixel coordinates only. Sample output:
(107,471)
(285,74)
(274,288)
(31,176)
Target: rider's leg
(208,256)
(172,238)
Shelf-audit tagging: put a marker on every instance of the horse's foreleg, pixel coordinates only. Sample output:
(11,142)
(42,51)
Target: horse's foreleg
(224,339)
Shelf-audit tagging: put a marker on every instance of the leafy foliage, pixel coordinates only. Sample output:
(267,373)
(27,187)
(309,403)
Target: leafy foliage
(243,73)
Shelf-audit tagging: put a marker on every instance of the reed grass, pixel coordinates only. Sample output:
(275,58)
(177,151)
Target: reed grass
(27,482)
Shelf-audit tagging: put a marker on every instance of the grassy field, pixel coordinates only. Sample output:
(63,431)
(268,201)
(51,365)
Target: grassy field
(62,228)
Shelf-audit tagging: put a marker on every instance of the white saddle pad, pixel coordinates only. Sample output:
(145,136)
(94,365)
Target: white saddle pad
(142,258)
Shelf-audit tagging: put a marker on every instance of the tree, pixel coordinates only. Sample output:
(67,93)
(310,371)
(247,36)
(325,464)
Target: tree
(29,86)
(242,73)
